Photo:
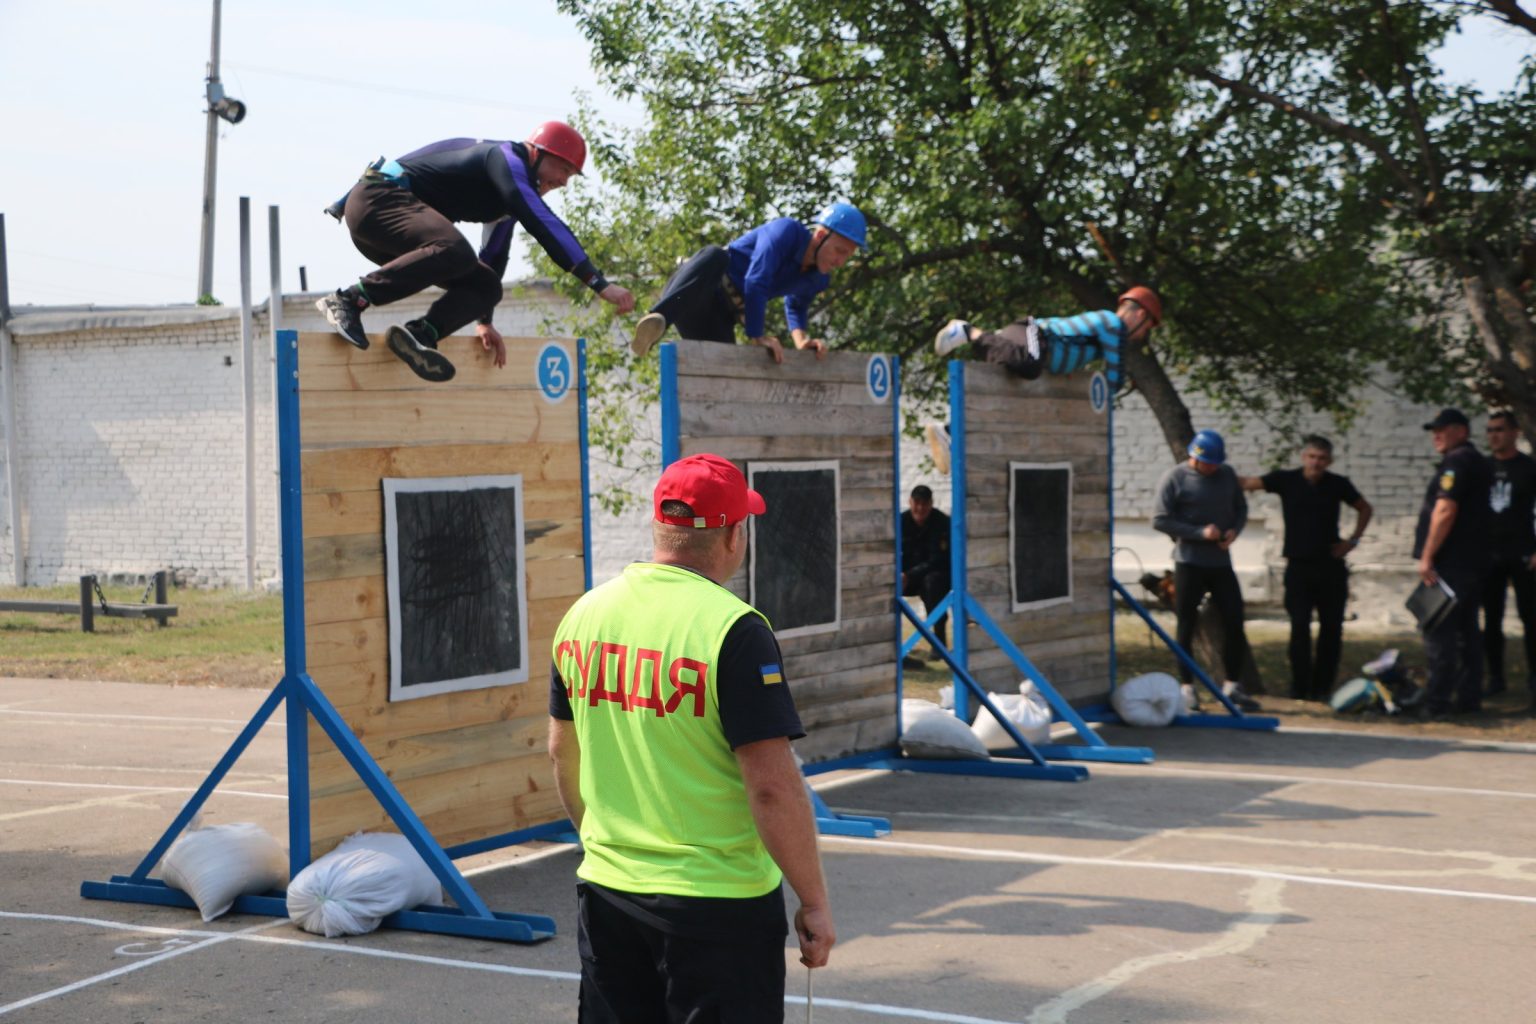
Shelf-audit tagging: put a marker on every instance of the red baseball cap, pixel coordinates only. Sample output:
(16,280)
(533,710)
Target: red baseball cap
(713,487)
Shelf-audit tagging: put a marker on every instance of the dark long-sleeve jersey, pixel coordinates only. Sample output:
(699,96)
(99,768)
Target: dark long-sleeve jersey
(489,182)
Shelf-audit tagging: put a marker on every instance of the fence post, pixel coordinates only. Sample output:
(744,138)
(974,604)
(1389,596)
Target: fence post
(160,595)
(87,604)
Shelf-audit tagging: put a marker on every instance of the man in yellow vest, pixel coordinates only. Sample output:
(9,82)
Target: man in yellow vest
(670,722)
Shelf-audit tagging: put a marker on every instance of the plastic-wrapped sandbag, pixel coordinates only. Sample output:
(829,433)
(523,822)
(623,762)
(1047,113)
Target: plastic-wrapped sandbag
(214,865)
(941,736)
(1028,710)
(1150,700)
(365,879)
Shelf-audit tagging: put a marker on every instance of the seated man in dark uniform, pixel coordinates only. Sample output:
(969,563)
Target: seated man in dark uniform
(925,555)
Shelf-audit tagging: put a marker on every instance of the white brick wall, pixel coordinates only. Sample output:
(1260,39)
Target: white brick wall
(130,436)
(129,425)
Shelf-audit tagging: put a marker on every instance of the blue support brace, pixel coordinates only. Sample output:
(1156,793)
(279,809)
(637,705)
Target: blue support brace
(471,917)
(586,475)
(1234,718)
(671,442)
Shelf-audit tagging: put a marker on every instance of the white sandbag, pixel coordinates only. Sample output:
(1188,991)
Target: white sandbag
(1150,700)
(942,736)
(214,865)
(424,887)
(347,893)
(1028,710)
(365,879)
(914,708)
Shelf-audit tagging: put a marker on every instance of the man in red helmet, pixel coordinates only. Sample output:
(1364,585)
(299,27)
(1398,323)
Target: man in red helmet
(402,212)
(1061,344)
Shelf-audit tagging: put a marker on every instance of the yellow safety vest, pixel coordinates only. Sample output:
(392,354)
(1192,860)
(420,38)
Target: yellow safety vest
(666,809)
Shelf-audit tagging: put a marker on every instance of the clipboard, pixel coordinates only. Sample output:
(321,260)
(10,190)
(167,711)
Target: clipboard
(1431,605)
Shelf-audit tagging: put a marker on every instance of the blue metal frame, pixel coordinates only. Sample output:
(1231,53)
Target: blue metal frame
(471,917)
(586,478)
(1234,718)
(671,441)
(828,821)
(967,609)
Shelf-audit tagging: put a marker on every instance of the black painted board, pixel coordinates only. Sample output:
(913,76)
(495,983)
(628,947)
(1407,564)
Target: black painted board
(793,569)
(1040,534)
(458,614)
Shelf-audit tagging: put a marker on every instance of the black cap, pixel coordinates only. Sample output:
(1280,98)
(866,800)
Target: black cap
(1446,418)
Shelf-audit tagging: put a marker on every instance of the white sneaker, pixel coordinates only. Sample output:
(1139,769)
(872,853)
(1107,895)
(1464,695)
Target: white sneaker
(647,333)
(952,336)
(938,445)
(1235,694)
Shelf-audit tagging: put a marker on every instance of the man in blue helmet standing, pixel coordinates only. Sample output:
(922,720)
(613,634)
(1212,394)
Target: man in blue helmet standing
(721,286)
(1200,504)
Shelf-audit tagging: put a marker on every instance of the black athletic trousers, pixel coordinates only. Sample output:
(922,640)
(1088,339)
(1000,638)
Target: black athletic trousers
(1453,648)
(1009,348)
(416,247)
(931,587)
(1321,584)
(1507,572)
(1190,584)
(694,300)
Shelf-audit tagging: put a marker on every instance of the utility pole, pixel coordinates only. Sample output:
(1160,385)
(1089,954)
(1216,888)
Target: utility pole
(233,111)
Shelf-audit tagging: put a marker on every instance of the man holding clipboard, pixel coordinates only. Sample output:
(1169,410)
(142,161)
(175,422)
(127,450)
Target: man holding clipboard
(1451,545)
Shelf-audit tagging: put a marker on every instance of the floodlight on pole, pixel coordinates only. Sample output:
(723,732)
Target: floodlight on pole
(225,107)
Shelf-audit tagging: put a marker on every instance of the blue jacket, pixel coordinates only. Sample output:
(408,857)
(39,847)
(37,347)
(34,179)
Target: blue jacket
(1070,341)
(765,264)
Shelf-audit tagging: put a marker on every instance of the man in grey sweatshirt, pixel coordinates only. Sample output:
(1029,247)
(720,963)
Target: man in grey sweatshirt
(1200,504)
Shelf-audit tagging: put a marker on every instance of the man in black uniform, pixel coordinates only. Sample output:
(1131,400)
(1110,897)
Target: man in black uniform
(1316,576)
(1512,535)
(1451,544)
(401,214)
(925,555)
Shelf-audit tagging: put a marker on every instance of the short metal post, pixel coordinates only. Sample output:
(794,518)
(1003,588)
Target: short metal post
(160,595)
(87,604)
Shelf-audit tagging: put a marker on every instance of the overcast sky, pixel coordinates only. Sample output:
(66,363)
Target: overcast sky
(101,110)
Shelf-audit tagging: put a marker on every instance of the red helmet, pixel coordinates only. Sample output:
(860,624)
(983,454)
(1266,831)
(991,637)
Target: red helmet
(1147,299)
(563,141)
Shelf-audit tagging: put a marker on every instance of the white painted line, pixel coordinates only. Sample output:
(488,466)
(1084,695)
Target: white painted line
(331,948)
(1444,741)
(1265,911)
(275,719)
(130,968)
(76,767)
(982,853)
(1321,780)
(140,789)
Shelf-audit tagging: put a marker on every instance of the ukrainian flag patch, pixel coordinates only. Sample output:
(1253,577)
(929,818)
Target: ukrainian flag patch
(771,674)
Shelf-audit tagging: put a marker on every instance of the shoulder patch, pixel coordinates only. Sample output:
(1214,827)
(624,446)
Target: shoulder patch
(771,674)
(1448,480)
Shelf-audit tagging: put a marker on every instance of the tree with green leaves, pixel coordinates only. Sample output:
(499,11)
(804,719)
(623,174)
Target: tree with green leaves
(989,141)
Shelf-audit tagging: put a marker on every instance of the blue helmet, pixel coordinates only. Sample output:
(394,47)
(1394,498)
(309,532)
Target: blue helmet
(1208,447)
(845,219)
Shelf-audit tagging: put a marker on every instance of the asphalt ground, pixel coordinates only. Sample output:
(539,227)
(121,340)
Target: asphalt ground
(1291,876)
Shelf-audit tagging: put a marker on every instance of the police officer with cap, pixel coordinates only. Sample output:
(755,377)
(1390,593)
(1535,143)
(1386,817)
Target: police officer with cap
(719,287)
(1451,545)
(670,722)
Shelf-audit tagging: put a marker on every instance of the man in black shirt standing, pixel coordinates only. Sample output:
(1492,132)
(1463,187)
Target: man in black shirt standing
(925,554)
(1451,544)
(1512,535)
(1316,576)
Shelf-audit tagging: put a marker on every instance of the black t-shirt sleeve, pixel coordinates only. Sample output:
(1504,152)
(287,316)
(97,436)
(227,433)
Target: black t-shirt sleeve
(755,702)
(1274,481)
(1348,493)
(559,702)
(1458,476)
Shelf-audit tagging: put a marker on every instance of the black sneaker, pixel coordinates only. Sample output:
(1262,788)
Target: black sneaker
(342,313)
(416,347)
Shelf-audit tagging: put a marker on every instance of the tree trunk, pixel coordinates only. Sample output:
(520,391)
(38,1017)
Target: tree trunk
(1142,366)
